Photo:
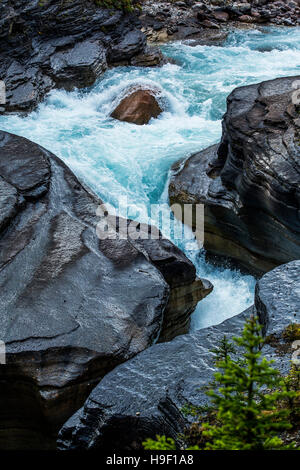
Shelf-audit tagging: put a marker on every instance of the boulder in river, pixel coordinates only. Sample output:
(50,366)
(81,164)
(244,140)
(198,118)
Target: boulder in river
(72,306)
(158,382)
(138,107)
(250,183)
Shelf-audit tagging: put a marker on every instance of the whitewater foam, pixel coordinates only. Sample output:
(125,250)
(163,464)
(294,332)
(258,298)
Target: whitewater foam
(116,158)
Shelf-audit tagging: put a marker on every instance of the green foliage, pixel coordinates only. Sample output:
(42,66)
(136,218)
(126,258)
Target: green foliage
(292,402)
(126,5)
(291,332)
(249,416)
(251,403)
(160,443)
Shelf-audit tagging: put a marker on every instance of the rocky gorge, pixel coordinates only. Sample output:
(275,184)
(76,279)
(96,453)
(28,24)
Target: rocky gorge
(52,261)
(249,183)
(99,348)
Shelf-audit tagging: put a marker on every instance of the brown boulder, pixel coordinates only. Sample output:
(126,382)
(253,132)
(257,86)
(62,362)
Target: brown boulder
(138,107)
(246,19)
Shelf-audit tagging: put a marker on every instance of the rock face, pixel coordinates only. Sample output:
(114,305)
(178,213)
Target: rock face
(138,108)
(250,183)
(62,44)
(208,20)
(72,306)
(158,382)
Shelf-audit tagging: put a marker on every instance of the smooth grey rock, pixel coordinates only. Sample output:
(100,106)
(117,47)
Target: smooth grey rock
(145,395)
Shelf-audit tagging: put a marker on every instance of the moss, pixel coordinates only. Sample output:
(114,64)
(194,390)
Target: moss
(125,5)
(291,332)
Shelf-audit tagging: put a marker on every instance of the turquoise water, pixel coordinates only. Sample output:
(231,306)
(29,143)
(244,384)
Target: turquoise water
(120,159)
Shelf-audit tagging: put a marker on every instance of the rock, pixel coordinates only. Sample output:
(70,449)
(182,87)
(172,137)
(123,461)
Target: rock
(72,306)
(138,107)
(246,19)
(78,66)
(151,57)
(222,16)
(158,382)
(64,44)
(133,43)
(250,182)
(210,24)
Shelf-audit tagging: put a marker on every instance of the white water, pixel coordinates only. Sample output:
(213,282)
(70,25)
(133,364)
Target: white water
(120,159)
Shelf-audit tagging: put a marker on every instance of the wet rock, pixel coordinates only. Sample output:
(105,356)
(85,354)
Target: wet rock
(250,182)
(210,24)
(222,16)
(151,57)
(78,66)
(132,43)
(64,44)
(72,305)
(157,383)
(197,17)
(246,19)
(138,108)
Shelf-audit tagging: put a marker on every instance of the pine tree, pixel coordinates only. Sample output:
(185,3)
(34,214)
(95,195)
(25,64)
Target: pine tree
(292,384)
(252,403)
(247,398)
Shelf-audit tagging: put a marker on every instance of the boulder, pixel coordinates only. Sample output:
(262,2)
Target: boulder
(62,44)
(74,304)
(247,19)
(78,66)
(151,57)
(250,183)
(138,108)
(145,396)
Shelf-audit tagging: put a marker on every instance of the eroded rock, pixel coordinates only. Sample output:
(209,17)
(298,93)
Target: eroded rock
(158,382)
(72,306)
(250,182)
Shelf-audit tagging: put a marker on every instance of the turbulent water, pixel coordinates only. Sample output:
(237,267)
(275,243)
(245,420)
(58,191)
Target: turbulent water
(120,159)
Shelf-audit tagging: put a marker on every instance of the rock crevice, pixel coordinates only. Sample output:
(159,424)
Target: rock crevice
(250,182)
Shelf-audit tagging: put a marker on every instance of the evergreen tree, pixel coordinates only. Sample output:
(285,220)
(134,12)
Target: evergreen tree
(253,404)
(247,399)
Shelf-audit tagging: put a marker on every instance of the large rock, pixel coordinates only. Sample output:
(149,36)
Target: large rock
(65,44)
(72,306)
(138,107)
(250,183)
(145,396)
